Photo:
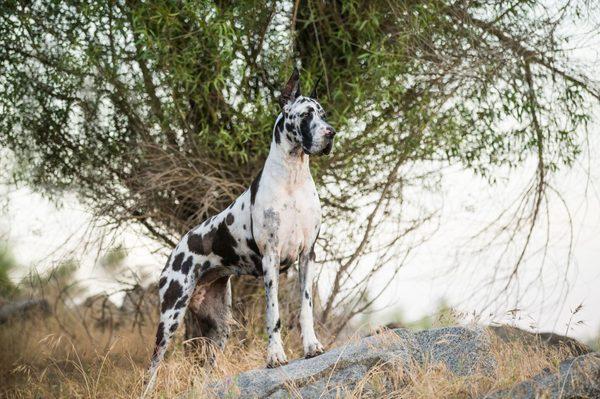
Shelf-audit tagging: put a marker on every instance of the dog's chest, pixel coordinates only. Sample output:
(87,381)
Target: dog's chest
(288,218)
(300,217)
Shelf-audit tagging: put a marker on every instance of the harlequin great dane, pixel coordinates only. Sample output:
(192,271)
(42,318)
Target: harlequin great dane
(273,223)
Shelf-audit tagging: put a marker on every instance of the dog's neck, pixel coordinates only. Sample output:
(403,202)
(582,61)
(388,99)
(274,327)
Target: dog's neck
(287,158)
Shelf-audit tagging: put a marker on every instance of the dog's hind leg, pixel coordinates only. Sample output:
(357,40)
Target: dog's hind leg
(176,285)
(209,313)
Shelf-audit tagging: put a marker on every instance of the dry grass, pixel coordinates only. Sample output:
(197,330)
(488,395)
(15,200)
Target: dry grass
(60,358)
(70,355)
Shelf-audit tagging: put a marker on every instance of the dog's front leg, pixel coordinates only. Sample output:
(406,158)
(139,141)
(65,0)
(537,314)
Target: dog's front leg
(312,346)
(275,353)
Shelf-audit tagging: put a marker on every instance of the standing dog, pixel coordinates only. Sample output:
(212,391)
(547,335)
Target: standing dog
(273,223)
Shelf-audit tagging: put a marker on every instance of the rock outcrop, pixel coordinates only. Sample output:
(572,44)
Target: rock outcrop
(577,377)
(461,350)
(547,339)
(22,308)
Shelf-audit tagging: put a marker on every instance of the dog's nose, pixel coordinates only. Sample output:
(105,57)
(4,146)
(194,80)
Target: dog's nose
(329,132)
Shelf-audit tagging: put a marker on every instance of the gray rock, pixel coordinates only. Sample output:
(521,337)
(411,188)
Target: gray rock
(577,377)
(23,308)
(461,350)
(547,339)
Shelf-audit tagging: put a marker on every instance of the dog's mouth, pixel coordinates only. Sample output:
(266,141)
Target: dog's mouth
(328,148)
(325,151)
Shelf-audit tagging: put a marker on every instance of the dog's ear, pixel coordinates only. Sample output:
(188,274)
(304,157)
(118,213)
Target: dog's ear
(291,91)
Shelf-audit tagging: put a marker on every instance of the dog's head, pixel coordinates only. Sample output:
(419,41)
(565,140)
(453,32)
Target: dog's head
(302,121)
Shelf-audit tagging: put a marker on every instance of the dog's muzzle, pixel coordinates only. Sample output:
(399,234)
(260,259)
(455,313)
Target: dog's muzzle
(329,135)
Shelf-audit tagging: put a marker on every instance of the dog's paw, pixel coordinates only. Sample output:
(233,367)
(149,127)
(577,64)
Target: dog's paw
(313,349)
(276,357)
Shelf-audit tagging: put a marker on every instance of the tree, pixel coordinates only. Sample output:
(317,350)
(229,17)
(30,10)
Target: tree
(160,112)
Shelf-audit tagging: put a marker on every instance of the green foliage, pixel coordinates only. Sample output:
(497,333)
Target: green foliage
(443,316)
(7,263)
(114,258)
(161,112)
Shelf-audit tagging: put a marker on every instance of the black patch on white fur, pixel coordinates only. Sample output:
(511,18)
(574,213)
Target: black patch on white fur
(162,282)
(171,296)
(195,244)
(254,187)
(256,256)
(160,333)
(257,264)
(177,262)
(201,244)
(278,130)
(208,240)
(224,244)
(181,302)
(186,266)
(305,131)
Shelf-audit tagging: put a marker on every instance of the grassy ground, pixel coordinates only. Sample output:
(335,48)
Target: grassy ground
(61,357)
